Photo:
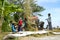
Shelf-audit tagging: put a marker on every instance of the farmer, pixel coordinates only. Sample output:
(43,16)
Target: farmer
(20,24)
(13,26)
(49,21)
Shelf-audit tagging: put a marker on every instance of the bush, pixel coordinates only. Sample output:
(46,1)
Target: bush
(6,27)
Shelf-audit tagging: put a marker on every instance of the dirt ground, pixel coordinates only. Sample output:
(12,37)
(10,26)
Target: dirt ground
(55,37)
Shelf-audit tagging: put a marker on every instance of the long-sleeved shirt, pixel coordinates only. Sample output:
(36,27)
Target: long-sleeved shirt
(49,19)
(20,22)
(13,28)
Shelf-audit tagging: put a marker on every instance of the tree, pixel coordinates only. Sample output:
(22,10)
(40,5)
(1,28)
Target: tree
(36,8)
(5,10)
(30,8)
(33,5)
(25,7)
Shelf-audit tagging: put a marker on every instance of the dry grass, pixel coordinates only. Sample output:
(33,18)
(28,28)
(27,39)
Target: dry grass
(2,35)
(56,30)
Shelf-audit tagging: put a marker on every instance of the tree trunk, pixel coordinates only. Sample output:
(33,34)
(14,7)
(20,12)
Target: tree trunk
(1,21)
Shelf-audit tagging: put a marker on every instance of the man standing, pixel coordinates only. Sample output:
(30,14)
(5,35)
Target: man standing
(20,24)
(49,21)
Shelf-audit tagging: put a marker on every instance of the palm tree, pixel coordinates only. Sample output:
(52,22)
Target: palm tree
(30,8)
(28,12)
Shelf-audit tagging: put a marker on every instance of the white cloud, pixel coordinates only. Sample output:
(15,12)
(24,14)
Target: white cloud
(57,10)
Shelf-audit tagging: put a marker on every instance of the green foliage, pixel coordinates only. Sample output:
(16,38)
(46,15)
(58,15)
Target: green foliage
(36,8)
(16,17)
(9,8)
(40,15)
(7,18)
(6,9)
(0,16)
(6,27)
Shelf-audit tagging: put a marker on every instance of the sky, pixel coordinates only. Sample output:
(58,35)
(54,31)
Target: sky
(53,7)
